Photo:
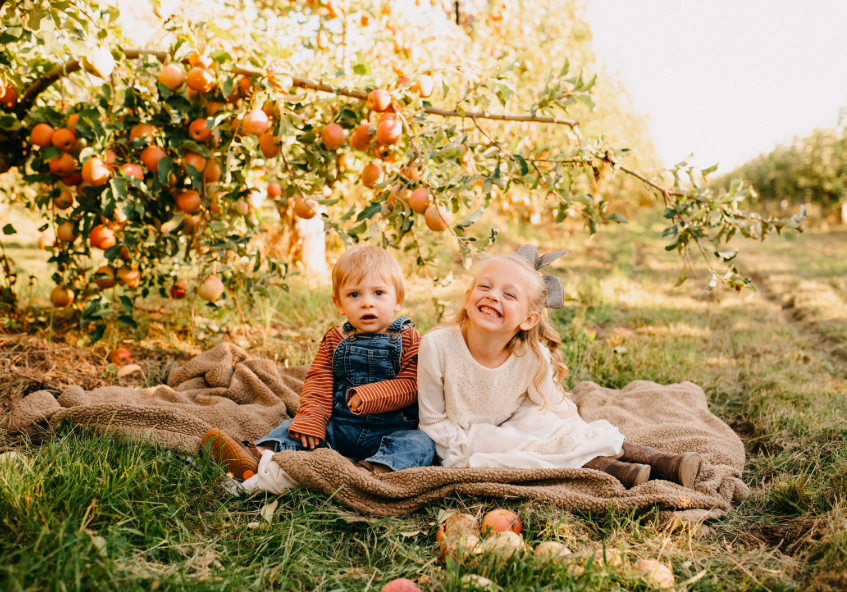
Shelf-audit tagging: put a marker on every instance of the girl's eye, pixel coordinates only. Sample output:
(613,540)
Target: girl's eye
(509,295)
(380,292)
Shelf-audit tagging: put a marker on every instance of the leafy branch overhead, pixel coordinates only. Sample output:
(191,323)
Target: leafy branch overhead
(172,154)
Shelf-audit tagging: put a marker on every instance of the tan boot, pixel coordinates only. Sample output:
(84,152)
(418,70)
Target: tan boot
(239,458)
(677,468)
(629,474)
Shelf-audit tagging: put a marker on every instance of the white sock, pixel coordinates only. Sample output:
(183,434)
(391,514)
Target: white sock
(270,477)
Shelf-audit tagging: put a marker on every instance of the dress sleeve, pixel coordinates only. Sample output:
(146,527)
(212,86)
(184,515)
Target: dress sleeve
(399,392)
(549,396)
(316,398)
(451,441)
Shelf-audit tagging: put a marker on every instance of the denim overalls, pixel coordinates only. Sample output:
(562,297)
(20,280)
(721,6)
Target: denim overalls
(391,438)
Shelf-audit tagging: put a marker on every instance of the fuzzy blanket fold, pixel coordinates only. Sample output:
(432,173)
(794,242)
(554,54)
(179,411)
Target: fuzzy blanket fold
(225,388)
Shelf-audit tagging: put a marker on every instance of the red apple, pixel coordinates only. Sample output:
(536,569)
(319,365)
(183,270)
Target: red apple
(401,585)
(120,356)
(179,289)
(501,521)
(211,289)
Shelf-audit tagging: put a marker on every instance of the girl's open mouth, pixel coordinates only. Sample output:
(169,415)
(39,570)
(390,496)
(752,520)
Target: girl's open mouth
(486,310)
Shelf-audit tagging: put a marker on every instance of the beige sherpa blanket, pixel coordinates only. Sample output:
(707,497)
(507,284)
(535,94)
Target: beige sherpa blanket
(225,388)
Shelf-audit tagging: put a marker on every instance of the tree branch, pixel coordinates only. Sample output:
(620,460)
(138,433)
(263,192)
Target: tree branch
(59,71)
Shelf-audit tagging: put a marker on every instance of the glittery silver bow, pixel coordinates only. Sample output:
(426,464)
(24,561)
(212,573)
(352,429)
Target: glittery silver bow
(555,289)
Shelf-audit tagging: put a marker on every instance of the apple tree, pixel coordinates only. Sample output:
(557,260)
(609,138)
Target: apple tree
(391,125)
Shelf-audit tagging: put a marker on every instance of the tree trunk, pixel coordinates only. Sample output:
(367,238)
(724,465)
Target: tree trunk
(310,238)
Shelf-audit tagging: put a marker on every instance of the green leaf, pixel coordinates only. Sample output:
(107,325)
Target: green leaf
(359,229)
(97,334)
(113,252)
(195,176)
(473,218)
(561,215)
(710,170)
(119,187)
(615,217)
(671,232)
(192,146)
(370,211)
(9,229)
(127,304)
(227,86)
(9,122)
(522,162)
(589,102)
(95,310)
(128,321)
(166,167)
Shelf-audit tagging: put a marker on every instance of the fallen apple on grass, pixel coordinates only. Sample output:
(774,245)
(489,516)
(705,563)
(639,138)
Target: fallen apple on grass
(120,356)
(500,521)
(551,550)
(401,585)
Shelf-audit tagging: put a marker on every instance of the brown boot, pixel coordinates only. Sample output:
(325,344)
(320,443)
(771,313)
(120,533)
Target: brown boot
(677,468)
(239,458)
(629,474)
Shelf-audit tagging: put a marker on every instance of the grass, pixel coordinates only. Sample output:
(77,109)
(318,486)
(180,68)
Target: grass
(86,513)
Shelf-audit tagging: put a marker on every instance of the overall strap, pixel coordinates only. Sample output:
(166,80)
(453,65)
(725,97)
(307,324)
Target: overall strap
(400,323)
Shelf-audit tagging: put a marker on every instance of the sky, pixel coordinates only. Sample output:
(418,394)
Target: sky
(726,79)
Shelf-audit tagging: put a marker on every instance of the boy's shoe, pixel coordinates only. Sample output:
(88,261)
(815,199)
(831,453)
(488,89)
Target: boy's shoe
(676,468)
(629,474)
(239,458)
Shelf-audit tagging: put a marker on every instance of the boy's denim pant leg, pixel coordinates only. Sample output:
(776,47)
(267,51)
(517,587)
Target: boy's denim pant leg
(386,445)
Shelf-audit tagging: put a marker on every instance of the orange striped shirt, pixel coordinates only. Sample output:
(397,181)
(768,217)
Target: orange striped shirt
(377,397)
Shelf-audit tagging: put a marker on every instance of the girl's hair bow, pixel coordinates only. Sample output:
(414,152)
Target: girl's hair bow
(555,289)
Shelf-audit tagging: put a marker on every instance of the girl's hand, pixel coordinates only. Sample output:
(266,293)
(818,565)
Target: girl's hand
(355,403)
(307,441)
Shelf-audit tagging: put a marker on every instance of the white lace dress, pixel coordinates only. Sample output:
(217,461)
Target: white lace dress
(493,417)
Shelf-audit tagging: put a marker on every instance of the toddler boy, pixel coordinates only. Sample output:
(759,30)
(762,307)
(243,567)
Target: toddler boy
(360,393)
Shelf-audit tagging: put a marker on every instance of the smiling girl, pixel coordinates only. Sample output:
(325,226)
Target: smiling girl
(490,386)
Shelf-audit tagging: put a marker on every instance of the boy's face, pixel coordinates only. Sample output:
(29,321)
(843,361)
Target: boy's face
(369,304)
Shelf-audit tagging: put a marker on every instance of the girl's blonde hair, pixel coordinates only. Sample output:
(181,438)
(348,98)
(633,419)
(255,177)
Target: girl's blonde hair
(541,334)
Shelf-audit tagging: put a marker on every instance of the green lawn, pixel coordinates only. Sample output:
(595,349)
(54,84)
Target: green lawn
(85,513)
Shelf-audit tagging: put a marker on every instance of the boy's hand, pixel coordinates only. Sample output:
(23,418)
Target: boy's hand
(307,441)
(355,403)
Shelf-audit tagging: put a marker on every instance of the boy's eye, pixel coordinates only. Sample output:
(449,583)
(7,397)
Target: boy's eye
(509,295)
(353,294)
(380,292)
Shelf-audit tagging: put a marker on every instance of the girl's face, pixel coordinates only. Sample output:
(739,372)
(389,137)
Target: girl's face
(500,300)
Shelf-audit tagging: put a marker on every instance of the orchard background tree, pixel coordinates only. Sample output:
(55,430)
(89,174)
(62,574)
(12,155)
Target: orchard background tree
(811,170)
(240,130)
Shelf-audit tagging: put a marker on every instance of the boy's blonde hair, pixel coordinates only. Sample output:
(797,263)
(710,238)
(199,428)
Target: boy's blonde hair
(357,262)
(541,334)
